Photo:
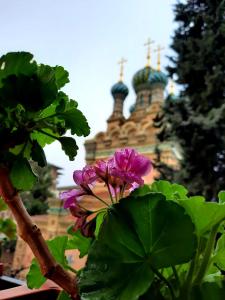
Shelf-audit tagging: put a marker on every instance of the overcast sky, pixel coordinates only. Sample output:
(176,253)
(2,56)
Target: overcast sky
(87,37)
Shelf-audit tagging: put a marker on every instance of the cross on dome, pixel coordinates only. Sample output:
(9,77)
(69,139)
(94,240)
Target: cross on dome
(148,45)
(121,63)
(158,50)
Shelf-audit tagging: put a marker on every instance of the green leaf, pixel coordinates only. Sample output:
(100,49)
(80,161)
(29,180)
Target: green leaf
(221,196)
(22,175)
(43,139)
(8,228)
(106,277)
(75,120)
(138,235)
(15,63)
(170,191)
(57,247)
(34,277)
(24,150)
(78,241)
(61,76)
(3,206)
(219,257)
(209,291)
(38,155)
(48,86)
(99,220)
(69,146)
(141,191)
(63,296)
(204,214)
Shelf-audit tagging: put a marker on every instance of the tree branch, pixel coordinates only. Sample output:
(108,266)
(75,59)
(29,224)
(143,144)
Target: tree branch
(31,234)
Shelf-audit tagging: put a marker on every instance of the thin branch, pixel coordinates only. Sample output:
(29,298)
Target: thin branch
(31,234)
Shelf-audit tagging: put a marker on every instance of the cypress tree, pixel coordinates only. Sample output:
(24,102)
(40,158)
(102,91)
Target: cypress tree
(196,121)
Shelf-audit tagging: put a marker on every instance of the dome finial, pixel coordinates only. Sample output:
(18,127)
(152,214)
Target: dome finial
(158,50)
(121,63)
(148,45)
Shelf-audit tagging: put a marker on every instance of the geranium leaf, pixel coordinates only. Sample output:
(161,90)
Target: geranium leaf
(204,214)
(219,257)
(171,191)
(63,296)
(22,175)
(75,120)
(141,191)
(8,228)
(15,63)
(99,220)
(38,155)
(57,247)
(138,235)
(34,277)
(209,291)
(61,76)
(78,241)
(221,196)
(69,146)
(3,206)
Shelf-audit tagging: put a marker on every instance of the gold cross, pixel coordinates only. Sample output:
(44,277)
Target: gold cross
(121,63)
(148,45)
(158,50)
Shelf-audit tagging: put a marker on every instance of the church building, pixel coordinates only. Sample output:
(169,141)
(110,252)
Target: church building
(137,131)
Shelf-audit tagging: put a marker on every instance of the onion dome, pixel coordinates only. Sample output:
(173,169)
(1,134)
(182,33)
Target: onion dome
(146,77)
(140,79)
(158,77)
(119,89)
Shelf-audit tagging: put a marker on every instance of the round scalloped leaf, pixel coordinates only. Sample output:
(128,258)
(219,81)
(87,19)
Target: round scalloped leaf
(204,214)
(21,175)
(138,235)
(16,63)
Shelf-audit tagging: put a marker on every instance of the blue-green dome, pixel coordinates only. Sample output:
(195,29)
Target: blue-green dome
(119,89)
(158,77)
(146,77)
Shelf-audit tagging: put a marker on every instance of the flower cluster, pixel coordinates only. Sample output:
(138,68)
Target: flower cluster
(120,173)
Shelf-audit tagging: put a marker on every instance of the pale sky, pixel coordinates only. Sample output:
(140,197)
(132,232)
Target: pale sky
(88,38)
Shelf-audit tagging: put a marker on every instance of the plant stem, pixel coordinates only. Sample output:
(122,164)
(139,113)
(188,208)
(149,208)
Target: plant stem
(31,234)
(94,195)
(176,276)
(207,255)
(165,281)
(98,210)
(48,134)
(110,194)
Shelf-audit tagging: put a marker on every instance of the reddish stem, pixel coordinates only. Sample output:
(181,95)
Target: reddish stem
(32,235)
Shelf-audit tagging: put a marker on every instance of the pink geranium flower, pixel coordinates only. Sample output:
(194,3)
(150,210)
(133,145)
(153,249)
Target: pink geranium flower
(130,161)
(85,177)
(122,172)
(72,197)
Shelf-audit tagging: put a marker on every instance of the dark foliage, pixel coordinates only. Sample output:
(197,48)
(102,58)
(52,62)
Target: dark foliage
(197,120)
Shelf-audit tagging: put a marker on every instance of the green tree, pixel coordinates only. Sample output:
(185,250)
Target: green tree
(197,120)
